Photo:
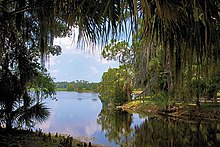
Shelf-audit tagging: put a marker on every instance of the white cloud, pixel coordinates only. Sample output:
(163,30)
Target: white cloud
(94,70)
(92,128)
(69,45)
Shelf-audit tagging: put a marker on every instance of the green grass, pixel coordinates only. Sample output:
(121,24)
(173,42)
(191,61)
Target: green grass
(146,103)
(61,89)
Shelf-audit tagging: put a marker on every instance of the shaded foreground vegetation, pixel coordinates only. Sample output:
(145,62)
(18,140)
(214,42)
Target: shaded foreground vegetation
(175,45)
(27,138)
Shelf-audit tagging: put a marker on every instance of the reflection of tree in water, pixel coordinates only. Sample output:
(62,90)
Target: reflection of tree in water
(116,124)
(165,132)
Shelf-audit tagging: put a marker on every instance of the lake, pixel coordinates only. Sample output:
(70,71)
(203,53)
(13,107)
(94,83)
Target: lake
(81,115)
(76,114)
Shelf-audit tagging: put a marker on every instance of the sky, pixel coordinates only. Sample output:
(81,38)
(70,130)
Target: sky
(77,63)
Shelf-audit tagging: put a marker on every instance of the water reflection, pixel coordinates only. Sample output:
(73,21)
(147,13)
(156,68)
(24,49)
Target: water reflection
(157,131)
(110,127)
(74,114)
(166,132)
(78,117)
(115,124)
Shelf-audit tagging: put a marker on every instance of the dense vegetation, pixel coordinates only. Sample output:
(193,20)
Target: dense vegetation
(115,87)
(28,28)
(24,81)
(174,49)
(77,86)
(174,53)
(116,84)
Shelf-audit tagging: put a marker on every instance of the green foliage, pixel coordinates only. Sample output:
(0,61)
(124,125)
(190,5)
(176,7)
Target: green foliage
(118,51)
(117,82)
(78,86)
(187,34)
(186,31)
(61,84)
(70,87)
(213,86)
(154,65)
(198,87)
(115,86)
(24,83)
(43,86)
(23,86)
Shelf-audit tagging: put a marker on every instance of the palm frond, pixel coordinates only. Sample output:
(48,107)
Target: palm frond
(37,113)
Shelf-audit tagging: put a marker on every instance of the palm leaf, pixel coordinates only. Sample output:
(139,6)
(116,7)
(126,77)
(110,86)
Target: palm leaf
(37,113)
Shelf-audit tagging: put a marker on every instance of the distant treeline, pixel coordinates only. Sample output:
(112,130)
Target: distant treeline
(77,86)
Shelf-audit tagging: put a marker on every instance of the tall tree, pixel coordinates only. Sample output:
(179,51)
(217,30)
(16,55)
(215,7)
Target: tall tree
(115,86)
(188,32)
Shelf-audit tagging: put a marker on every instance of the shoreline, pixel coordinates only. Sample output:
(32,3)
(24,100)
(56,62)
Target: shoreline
(25,138)
(186,112)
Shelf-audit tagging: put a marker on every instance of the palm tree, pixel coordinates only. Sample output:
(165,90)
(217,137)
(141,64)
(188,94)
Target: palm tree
(188,32)
(95,19)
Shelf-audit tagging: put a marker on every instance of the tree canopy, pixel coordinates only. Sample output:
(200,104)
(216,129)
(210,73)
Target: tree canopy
(187,32)
(77,86)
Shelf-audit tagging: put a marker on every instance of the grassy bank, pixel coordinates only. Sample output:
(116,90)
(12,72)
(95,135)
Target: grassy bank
(61,89)
(82,91)
(25,138)
(149,106)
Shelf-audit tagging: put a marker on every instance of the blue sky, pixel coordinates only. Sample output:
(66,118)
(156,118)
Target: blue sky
(77,63)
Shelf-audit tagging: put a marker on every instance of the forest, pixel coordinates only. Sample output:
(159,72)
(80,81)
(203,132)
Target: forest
(77,86)
(169,51)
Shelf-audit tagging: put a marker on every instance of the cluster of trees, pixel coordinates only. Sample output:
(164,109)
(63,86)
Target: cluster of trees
(77,86)
(186,31)
(24,81)
(174,49)
(28,28)
(116,84)
(115,87)
(179,43)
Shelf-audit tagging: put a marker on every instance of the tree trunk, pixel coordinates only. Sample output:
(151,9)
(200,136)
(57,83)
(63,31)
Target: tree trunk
(8,124)
(197,100)
(215,97)
(168,72)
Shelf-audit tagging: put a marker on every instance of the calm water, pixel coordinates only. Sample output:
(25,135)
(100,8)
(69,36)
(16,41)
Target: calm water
(77,114)
(81,115)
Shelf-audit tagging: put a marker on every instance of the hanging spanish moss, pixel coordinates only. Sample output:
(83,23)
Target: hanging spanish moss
(188,32)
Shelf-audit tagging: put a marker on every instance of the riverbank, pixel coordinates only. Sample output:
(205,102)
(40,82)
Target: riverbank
(80,91)
(26,138)
(207,111)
